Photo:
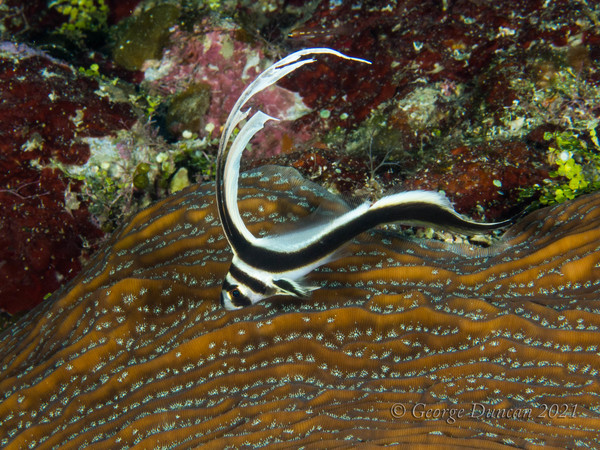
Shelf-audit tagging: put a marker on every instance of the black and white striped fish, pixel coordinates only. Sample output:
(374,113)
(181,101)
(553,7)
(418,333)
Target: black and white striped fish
(276,265)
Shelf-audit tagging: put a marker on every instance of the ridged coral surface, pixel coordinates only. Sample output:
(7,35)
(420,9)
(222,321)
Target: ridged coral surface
(403,336)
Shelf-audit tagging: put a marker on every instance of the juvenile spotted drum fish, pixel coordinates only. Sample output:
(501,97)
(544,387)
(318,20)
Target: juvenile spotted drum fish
(276,265)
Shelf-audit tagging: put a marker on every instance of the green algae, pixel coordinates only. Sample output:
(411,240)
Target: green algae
(186,110)
(179,181)
(577,167)
(145,36)
(82,16)
(140,176)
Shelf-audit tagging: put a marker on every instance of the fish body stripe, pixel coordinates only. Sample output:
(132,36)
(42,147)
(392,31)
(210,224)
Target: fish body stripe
(332,238)
(248,280)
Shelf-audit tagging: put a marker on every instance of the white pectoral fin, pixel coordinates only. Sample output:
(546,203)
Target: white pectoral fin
(286,286)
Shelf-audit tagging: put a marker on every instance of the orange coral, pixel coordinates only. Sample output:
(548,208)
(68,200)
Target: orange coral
(403,336)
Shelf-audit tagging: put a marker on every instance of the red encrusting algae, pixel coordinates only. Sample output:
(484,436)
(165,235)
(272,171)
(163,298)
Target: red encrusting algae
(45,110)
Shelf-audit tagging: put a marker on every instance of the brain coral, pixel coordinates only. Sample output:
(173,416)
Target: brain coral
(404,335)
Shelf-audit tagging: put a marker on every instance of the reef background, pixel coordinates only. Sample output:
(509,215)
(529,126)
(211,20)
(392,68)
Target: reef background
(109,106)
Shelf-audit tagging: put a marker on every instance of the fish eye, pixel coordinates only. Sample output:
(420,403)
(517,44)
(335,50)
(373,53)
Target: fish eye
(237,298)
